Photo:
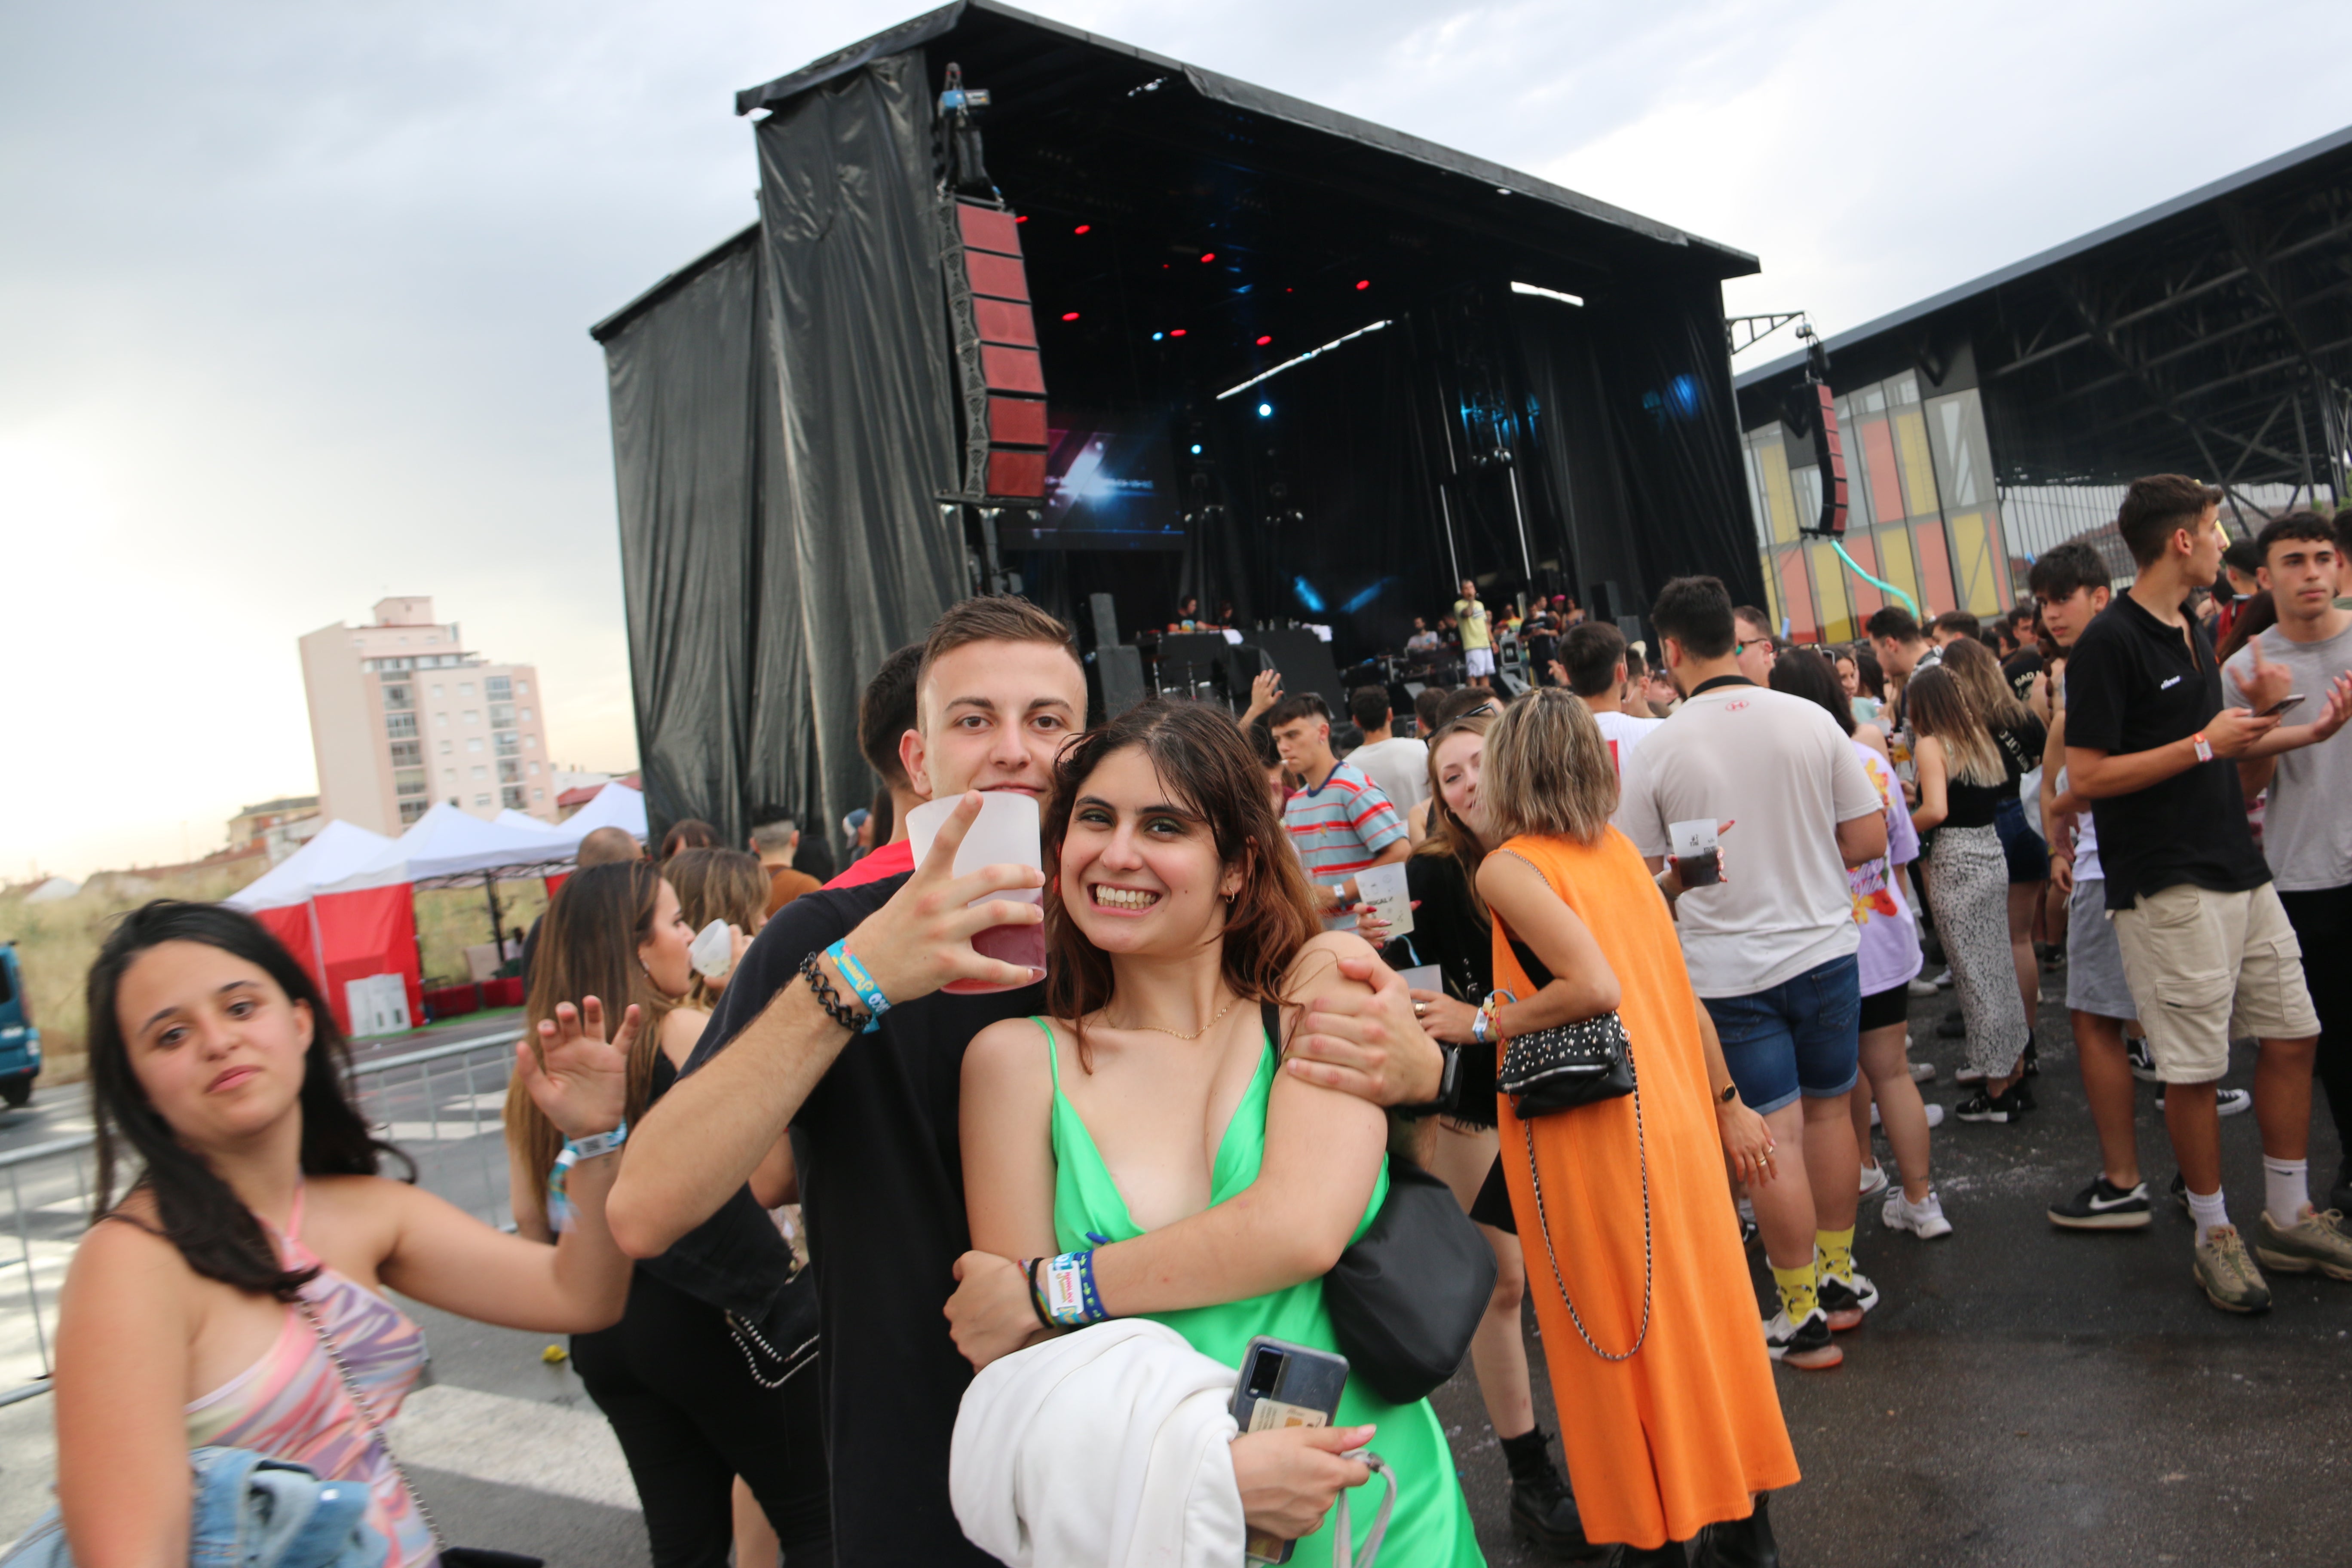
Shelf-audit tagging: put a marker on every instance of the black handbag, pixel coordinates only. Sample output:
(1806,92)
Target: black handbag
(1560,1068)
(1409,1293)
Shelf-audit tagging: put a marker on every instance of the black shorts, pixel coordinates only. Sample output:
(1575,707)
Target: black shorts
(1880,1009)
(1493,1204)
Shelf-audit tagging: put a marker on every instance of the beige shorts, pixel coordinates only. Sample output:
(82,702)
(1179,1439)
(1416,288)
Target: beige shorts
(2206,968)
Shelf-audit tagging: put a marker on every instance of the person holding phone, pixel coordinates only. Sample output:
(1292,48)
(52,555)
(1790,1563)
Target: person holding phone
(1183,948)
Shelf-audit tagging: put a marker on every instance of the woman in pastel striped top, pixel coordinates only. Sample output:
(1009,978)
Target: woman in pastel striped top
(256,1247)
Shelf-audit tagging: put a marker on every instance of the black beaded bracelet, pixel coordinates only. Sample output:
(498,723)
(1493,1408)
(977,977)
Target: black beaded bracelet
(829,999)
(1038,1297)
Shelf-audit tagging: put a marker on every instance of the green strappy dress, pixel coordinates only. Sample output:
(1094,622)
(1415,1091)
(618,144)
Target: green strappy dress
(1431,1526)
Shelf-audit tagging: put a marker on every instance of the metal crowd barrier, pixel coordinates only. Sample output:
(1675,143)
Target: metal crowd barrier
(439,1105)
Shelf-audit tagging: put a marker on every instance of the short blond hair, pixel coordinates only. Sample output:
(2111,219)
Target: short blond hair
(1547,771)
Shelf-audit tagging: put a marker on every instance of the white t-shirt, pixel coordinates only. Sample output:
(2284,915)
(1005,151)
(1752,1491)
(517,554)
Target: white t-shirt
(1781,769)
(1399,766)
(1624,733)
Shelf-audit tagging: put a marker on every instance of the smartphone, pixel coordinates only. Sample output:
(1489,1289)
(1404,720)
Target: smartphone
(1284,1384)
(2283,705)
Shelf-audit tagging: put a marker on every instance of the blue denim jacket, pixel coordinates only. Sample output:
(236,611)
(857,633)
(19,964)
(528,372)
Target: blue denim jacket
(249,1510)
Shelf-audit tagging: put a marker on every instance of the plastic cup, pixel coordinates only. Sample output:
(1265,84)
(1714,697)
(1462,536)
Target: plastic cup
(1697,853)
(1006,833)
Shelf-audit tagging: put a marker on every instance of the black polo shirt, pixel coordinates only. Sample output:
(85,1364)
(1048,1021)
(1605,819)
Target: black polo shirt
(2135,684)
(881,1170)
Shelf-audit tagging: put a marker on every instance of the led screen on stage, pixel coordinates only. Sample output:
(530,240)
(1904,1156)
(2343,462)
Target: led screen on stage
(1110,484)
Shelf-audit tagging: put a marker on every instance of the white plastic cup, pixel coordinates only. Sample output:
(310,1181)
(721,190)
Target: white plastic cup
(1698,855)
(1005,833)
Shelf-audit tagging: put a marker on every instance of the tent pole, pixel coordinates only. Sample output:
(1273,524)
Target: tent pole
(497,933)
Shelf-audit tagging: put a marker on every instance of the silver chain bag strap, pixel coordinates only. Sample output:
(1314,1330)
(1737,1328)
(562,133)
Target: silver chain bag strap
(1535,1178)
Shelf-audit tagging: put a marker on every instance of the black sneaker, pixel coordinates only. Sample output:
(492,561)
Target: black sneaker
(2007,1106)
(1807,1345)
(2102,1206)
(1843,1301)
(2032,1058)
(1543,1514)
(2143,1066)
(2179,1190)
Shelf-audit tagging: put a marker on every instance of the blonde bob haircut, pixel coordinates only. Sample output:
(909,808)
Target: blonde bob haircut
(1547,771)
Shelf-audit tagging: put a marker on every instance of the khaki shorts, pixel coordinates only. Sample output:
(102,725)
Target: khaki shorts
(2206,968)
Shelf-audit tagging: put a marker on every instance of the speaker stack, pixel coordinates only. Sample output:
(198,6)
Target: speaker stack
(1829,457)
(1008,441)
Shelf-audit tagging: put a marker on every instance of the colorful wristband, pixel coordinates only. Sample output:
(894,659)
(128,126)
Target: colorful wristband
(1070,1297)
(861,984)
(2204,747)
(594,1146)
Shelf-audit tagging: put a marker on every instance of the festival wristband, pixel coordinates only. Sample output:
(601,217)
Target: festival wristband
(594,1146)
(2204,747)
(861,984)
(1070,1297)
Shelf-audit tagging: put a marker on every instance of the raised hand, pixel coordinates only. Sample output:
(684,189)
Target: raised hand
(2262,685)
(921,938)
(578,1078)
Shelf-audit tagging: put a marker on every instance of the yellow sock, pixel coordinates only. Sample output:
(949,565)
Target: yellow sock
(1833,1254)
(1796,1291)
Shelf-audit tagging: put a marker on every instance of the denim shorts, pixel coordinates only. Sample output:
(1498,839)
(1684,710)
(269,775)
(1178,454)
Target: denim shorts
(2028,855)
(1801,1037)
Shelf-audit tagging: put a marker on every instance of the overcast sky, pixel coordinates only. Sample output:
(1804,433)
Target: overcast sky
(293,298)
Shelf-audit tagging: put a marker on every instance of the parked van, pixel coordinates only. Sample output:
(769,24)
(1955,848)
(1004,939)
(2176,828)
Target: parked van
(20,1043)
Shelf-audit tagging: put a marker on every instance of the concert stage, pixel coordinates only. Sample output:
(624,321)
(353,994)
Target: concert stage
(1133,327)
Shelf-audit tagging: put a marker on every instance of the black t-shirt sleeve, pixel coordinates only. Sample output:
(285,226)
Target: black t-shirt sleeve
(2097,688)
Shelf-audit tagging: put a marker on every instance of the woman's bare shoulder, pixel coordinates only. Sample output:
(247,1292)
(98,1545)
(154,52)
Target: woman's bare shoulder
(680,1032)
(1007,1051)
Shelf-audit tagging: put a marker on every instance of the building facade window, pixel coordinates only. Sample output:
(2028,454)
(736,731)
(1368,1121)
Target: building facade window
(530,741)
(399,696)
(408,783)
(502,716)
(512,797)
(505,740)
(497,688)
(442,720)
(534,770)
(436,694)
(400,726)
(523,689)
(473,715)
(481,772)
(410,810)
(465,688)
(539,795)
(509,771)
(447,746)
(473,742)
(407,753)
(481,800)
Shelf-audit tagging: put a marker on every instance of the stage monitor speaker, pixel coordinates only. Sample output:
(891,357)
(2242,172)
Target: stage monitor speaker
(1829,458)
(1121,671)
(1631,626)
(1305,660)
(1603,603)
(1187,659)
(1106,617)
(1512,685)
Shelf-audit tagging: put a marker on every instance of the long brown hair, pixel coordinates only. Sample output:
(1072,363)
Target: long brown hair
(1448,834)
(1989,692)
(588,947)
(1938,708)
(717,885)
(1210,770)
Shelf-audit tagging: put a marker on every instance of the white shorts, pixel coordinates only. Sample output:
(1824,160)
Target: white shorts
(1479,662)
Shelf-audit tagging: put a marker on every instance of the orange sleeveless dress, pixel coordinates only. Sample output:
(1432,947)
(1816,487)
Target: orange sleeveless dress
(1676,1436)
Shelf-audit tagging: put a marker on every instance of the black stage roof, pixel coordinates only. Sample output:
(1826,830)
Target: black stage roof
(2211,333)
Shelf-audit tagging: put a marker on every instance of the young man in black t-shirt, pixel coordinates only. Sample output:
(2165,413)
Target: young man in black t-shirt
(873,1114)
(2205,942)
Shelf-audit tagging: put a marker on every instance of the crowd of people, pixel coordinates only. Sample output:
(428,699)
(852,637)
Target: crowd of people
(877,1247)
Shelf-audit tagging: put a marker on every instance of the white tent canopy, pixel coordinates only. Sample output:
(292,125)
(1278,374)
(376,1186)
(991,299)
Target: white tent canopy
(446,842)
(333,853)
(615,806)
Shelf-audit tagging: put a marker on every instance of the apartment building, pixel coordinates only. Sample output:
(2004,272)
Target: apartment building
(402,715)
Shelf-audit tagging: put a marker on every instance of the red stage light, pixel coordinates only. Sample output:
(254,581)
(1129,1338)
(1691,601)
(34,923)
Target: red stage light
(1022,218)
(1082,228)
(1069,315)
(1210,257)
(1176,333)
(1364,283)
(1263,341)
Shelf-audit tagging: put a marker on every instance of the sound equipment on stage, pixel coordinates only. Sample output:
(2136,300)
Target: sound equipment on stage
(1187,660)
(1630,626)
(1511,685)
(1829,458)
(1603,604)
(1105,620)
(1119,671)
(996,351)
(1305,660)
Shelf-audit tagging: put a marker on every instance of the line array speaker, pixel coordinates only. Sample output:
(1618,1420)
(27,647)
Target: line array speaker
(1829,457)
(1011,369)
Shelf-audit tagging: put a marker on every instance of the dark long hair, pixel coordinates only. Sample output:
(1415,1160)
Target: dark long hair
(2258,614)
(1802,672)
(198,1211)
(1209,768)
(588,947)
(1449,836)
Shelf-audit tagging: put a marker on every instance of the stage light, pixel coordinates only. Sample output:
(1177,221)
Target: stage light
(1176,333)
(1297,359)
(1363,283)
(1266,410)
(1196,448)
(1263,341)
(1083,228)
(1069,315)
(1156,336)
(1207,258)
(1307,595)
(1547,293)
(1022,218)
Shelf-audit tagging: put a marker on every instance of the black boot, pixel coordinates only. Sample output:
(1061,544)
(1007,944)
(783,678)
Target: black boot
(1739,1542)
(1543,1511)
(1670,1555)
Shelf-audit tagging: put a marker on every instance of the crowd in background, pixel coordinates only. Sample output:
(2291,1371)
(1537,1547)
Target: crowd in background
(1646,993)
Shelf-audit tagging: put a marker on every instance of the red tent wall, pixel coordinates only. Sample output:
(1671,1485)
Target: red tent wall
(291,927)
(373,931)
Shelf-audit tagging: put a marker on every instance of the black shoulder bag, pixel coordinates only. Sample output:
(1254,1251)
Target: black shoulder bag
(1407,1295)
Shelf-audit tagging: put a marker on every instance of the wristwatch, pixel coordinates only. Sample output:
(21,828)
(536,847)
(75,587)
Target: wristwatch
(1448,1086)
(1730,1092)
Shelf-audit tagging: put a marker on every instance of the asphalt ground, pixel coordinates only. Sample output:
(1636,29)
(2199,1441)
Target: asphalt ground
(2023,1396)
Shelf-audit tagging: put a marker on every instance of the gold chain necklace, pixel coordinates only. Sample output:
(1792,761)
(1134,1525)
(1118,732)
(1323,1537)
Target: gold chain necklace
(1156,1030)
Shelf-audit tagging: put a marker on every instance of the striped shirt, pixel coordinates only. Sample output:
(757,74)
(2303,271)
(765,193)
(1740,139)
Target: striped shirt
(1339,827)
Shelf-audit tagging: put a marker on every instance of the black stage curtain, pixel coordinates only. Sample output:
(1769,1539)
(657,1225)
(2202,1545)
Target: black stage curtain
(1568,461)
(866,403)
(685,388)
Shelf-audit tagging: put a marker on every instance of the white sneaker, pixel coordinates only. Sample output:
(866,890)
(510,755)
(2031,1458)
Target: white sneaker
(1944,981)
(1923,1072)
(1935,1114)
(1873,1177)
(1924,1219)
(1921,987)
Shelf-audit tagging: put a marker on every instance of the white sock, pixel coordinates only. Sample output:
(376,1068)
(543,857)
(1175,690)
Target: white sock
(2286,1188)
(2207,1211)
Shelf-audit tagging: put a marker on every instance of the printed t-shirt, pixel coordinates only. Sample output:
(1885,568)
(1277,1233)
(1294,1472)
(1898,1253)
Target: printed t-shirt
(1889,953)
(2135,685)
(2307,830)
(1624,733)
(1398,765)
(881,1170)
(1783,770)
(1470,618)
(1339,828)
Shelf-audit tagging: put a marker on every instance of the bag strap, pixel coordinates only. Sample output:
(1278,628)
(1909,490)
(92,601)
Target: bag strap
(746,1337)
(1343,1533)
(1534,1180)
(374,1422)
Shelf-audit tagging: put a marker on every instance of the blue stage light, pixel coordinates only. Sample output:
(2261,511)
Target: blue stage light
(1366,597)
(1196,448)
(1681,393)
(1307,593)
(1266,410)
(1156,336)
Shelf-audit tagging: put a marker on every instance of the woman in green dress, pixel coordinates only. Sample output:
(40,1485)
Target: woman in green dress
(1176,910)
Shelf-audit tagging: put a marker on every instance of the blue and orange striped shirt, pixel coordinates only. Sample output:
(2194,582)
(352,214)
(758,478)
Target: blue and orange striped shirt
(1339,827)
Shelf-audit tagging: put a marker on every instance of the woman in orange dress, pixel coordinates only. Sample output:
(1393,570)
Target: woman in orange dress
(1668,1414)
